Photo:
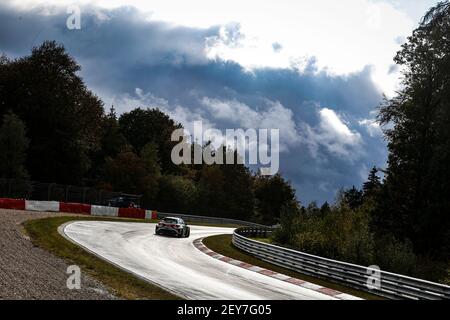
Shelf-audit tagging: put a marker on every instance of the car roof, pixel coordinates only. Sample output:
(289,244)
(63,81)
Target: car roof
(176,218)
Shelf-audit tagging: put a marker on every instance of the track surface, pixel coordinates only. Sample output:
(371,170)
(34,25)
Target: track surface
(176,265)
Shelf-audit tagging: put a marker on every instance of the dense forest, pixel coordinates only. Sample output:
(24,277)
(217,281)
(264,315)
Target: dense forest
(401,223)
(54,129)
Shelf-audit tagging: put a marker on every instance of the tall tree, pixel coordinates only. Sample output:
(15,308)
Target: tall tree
(238,184)
(352,197)
(13,147)
(112,139)
(112,142)
(176,194)
(62,116)
(131,173)
(211,191)
(373,184)
(141,126)
(416,187)
(271,194)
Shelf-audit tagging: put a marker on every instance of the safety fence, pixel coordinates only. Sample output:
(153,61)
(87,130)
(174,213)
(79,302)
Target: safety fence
(378,282)
(107,211)
(25,189)
(79,208)
(72,196)
(390,285)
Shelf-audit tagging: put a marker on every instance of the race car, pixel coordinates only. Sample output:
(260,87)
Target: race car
(173,226)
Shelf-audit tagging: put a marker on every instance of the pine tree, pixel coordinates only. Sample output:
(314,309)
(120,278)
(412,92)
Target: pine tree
(373,184)
(325,208)
(353,198)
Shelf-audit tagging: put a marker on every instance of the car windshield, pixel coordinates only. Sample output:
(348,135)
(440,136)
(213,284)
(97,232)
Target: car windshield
(170,220)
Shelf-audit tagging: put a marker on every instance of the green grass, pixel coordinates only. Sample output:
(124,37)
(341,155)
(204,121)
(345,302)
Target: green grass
(44,234)
(222,244)
(265,240)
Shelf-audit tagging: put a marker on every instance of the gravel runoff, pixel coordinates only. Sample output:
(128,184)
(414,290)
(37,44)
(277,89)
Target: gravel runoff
(28,272)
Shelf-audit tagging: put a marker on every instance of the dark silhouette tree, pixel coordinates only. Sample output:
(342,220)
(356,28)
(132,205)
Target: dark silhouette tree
(238,183)
(325,208)
(416,201)
(211,191)
(112,139)
(372,186)
(130,173)
(111,143)
(353,197)
(141,126)
(271,194)
(62,116)
(13,148)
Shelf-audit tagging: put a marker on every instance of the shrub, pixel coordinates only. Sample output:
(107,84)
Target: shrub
(395,255)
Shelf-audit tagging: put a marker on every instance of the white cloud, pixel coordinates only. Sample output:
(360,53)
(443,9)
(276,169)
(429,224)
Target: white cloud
(333,134)
(216,113)
(180,114)
(372,127)
(343,36)
(332,124)
(271,115)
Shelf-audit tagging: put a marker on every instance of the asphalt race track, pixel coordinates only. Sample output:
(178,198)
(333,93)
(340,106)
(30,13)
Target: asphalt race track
(176,265)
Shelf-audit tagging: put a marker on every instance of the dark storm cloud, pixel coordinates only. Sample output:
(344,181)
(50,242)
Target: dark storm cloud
(121,50)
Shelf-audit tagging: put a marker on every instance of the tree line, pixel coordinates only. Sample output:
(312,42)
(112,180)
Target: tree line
(54,129)
(400,220)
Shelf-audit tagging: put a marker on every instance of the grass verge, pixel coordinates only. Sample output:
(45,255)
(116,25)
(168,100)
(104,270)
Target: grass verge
(265,240)
(223,245)
(44,234)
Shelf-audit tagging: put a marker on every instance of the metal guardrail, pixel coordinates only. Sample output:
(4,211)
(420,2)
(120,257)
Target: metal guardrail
(205,219)
(392,285)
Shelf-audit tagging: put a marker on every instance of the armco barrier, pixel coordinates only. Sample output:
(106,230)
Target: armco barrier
(392,285)
(150,215)
(15,204)
(104,211)
(75,208)
(26,189)
(94,210)
(51,206)
(132,213)
(204,219)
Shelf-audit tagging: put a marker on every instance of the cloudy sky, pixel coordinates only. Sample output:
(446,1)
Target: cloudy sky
(316,70)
